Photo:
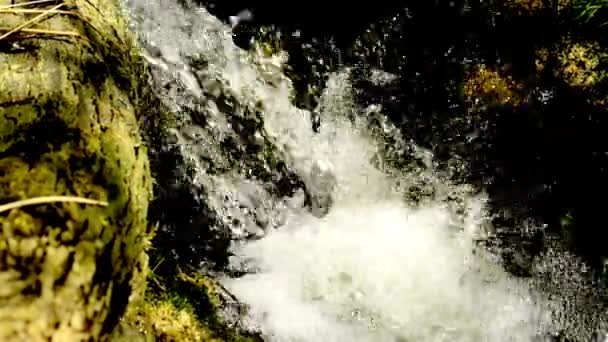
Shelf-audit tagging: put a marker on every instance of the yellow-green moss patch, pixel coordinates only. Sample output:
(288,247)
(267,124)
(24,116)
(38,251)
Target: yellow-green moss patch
(183,309)
(491,86)
(579,64)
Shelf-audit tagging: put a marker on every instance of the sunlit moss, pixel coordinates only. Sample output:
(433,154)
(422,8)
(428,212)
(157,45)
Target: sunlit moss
(578,64)
(491,87)
(166,319)
(528,7)
(184,309)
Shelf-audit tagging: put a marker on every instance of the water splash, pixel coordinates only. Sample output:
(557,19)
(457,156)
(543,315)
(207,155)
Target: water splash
(373,268)
(381,270)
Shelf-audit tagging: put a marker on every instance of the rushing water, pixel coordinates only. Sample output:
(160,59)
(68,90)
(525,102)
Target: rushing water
(374,267)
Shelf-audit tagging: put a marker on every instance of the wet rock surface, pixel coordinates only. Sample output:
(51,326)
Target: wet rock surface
(220,177)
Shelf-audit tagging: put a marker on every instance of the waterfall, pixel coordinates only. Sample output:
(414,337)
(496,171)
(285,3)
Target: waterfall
(362,262)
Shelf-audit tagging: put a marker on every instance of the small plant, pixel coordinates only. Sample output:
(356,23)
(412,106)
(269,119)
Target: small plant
(592,12)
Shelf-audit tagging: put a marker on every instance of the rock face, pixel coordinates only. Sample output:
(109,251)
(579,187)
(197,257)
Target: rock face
(70,101)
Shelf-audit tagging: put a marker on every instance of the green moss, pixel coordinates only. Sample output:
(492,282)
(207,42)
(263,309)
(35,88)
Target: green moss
(183,309)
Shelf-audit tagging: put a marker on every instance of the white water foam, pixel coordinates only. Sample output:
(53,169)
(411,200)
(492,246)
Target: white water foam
(375,269)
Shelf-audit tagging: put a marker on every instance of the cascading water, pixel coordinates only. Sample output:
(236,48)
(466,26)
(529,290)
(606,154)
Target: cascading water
(373,268)
(365,265)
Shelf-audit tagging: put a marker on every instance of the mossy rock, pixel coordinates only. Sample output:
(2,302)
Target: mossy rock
(70,101)
(187,308)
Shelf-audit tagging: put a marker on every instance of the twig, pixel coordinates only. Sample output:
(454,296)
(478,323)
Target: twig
(93,5)
(158,264)
(41,31)
(50,199)
(18,37)
(37,2)
(31,21)
(33,11)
